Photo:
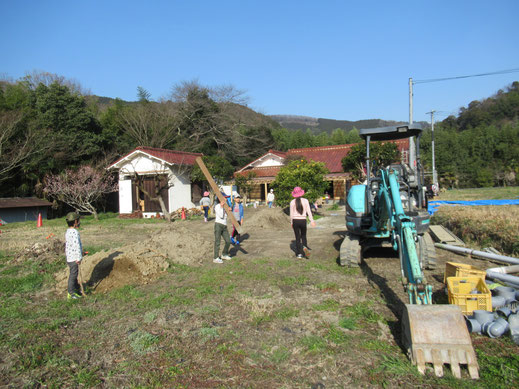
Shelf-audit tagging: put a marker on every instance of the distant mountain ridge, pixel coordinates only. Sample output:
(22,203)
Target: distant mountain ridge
(318,125)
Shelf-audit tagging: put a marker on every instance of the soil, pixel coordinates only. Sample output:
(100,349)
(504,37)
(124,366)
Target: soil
(253,337)
(146,252)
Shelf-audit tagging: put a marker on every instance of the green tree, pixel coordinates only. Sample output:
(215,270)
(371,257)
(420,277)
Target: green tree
(245,184)
(218,166)
(309,175)
(381,155)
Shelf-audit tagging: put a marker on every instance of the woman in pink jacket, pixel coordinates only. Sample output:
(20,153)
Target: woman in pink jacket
(299,210)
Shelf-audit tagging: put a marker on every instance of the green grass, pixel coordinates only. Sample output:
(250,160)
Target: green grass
(143,342)
(499,193)
(314,344)
(327,305)
(364,311)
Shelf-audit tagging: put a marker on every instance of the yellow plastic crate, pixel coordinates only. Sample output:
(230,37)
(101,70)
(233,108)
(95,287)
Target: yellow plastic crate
(453,269)
(459,289)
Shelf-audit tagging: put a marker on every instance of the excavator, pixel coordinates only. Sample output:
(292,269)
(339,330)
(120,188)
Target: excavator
(390,210)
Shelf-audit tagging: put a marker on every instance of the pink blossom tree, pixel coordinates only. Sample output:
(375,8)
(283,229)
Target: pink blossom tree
(81,188)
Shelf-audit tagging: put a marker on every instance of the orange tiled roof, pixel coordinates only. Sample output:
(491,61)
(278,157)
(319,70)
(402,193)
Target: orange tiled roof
(331,156)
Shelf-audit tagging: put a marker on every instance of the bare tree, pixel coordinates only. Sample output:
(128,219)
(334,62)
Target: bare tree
(17,144)
(37,77)
(81,188)
(150,124)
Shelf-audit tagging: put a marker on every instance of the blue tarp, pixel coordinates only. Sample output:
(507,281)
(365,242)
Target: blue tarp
(433,205)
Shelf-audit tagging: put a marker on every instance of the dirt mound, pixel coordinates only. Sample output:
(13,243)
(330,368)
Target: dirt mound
(141,262)
(271,218)
(43,251)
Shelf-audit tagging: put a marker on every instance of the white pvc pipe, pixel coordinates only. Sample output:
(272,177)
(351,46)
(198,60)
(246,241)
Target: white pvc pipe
(505,269)
(482,254)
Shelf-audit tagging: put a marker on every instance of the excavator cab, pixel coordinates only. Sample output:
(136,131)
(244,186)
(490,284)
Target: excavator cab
(390,210)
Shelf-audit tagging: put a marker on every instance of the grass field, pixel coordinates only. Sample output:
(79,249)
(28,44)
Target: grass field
(510,192)
(483,226)
(253,323)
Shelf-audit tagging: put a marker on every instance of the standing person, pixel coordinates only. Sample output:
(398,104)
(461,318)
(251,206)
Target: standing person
(299,210)
(74,253)
(220,230)
(237,210)
(205,203)
(270,198)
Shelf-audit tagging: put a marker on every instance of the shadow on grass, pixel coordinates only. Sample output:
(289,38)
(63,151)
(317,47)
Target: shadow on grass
(393,302)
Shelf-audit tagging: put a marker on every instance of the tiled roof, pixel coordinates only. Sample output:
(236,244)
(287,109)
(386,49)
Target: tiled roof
(19,202)
(169,156)
(333,155)
(270,171)
(330,155)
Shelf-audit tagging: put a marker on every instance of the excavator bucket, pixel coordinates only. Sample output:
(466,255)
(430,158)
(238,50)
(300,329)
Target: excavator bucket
(438,335)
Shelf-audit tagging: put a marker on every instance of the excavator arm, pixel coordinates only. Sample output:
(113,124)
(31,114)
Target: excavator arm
(404,239)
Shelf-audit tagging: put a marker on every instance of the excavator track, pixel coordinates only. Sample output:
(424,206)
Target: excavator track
(427,252)
(350,251)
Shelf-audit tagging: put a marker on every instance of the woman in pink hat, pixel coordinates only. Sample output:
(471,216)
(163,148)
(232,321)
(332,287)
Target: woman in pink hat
(299,210)
(205,203)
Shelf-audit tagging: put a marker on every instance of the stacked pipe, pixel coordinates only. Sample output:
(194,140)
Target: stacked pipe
(504,298)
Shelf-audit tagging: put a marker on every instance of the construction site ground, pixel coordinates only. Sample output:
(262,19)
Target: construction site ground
(159,313)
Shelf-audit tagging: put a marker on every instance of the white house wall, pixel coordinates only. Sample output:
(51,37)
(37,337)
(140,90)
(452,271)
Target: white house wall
(143,165)
(180,192)
(270,162)
(125,196)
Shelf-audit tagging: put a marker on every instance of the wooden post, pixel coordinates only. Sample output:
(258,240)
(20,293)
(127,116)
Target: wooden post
(216,190)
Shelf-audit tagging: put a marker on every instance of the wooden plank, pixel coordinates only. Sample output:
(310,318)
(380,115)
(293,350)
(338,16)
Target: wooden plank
(218,194)
(443,235)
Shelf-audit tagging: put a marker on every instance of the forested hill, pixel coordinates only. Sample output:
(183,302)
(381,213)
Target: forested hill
(479,147)
(319,125)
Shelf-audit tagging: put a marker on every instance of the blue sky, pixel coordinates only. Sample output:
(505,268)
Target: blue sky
(348,60)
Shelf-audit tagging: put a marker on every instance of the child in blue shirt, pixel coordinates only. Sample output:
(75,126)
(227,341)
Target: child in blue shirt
(237,211)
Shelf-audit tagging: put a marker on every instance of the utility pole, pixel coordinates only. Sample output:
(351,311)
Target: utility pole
(435,175)
(412,150)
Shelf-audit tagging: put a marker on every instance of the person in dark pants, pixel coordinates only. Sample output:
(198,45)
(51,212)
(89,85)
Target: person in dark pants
(220,231)
(205,203)
(299,211)
(74,253)
(237,211)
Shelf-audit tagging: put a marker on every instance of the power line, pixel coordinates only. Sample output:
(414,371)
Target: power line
(507,71)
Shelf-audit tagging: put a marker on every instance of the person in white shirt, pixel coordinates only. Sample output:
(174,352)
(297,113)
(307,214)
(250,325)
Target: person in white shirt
(270,198)
(74,253)
(220,231)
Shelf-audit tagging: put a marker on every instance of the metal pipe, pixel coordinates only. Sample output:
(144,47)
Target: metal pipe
(482,254)
(510,280)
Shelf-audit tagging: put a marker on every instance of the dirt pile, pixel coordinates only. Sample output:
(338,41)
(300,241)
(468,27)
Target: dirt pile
(43,251)
(271,218)
(140,263)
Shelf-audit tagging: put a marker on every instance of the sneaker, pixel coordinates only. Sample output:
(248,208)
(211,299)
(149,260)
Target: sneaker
(299,256)
(226,257)
(217,260)
(73,296)
(307,251)
(237,243)
(233,241)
